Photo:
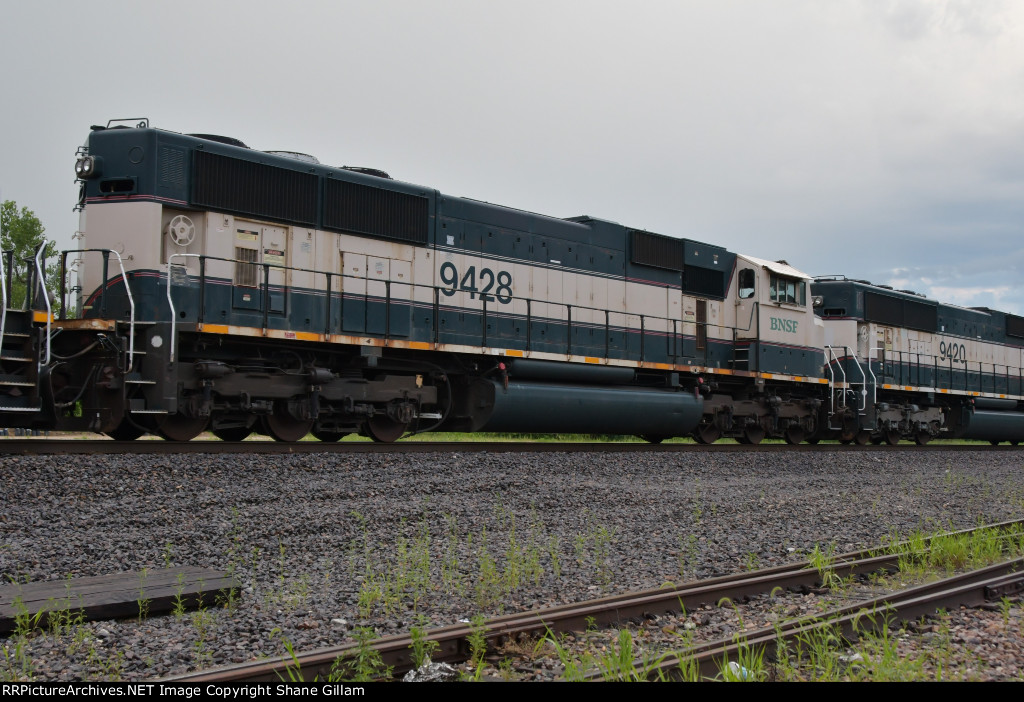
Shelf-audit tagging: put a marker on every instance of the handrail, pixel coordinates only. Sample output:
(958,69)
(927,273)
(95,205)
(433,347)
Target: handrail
(3,298)
(487,312)
(874,378)
(839,365)
(46,299)
(170,302)
(864,379)
(436,290)
(131,301)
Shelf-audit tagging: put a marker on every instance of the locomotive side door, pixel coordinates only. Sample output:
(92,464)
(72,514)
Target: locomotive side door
(353,290)
(275,247)
(245,291)
(747,285)
(260,255)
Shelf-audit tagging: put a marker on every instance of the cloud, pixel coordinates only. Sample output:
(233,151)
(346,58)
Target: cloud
(846,137)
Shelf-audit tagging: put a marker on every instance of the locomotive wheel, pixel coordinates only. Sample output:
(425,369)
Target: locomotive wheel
(877,440)
(284,427)
(653,438)
(814,440)
(846,442)
(862,438)
(922,438)
(126,431)
(328,436)
(753,435)
(794,435)
(707,434)
(232,433)
(383,429)
(178,427)
(892,437)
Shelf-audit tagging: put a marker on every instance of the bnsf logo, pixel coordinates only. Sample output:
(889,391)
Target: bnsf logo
(785,325)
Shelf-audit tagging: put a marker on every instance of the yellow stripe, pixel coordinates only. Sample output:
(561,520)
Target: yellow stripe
(214,328)
(41,316)
(422,345)
(591,359)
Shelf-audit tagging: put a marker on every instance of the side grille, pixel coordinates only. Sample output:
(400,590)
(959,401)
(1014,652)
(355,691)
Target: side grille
(704,281)
(894,312)
(361,209)
(246,270)
(656,251)
(1014,326)
(256,189)
(172,166)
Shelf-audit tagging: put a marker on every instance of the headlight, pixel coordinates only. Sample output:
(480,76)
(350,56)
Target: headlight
(85,167)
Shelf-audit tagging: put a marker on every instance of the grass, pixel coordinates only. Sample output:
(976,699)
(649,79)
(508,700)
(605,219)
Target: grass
(362,665)
(432,559)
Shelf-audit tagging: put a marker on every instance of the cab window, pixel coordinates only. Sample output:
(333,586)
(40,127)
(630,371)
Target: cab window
(747,282)
(791,290)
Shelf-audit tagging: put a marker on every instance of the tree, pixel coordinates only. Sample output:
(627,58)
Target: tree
(22,233)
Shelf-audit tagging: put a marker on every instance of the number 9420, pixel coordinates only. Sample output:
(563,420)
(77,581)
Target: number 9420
(957,353)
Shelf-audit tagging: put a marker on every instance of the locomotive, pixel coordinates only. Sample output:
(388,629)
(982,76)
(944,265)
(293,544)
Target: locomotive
(222,288)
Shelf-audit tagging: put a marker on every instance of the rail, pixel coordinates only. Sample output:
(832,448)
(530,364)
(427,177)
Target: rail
(3,299)
(571,317)
(3,290)
(103,296)
(863,378)
(928,370)
(45,361)
(831,379)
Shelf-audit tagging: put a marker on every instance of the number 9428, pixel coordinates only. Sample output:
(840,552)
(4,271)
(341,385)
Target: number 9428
(491,286)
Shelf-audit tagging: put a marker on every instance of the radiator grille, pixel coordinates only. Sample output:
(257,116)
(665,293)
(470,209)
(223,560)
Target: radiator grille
(704,281)
(894,312)
(270,192)
(657,251)
(361,209)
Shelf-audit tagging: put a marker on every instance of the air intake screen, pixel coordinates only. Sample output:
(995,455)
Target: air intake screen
(657,251)
(918,316)
(361,209)
(256,189)
(704,281)
(894,312)
(1014,325)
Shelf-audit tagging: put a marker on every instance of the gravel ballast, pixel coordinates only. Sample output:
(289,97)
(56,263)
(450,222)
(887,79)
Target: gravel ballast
(324,544)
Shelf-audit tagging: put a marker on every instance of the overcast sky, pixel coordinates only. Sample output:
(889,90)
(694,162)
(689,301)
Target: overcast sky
(879,139)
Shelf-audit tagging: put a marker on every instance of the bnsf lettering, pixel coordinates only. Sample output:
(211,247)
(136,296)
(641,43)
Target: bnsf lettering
(784,325)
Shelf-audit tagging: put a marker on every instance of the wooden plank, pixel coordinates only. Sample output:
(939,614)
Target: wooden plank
(113,596)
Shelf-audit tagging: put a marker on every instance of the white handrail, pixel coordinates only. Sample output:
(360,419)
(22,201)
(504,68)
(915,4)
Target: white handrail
(864,379)
(874,379)
(131,314)
(839,365)
(170,302)
(41,282)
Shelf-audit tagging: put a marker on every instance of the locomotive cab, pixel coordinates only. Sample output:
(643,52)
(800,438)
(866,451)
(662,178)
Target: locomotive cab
(776,329)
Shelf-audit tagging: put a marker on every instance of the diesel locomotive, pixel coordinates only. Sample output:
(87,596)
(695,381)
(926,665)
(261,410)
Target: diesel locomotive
(217,287)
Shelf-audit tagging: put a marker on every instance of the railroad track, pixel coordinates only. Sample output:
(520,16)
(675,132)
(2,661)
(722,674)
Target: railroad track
(452,642)
(43,446)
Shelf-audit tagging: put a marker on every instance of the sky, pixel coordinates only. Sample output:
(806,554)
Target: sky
(881,140)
